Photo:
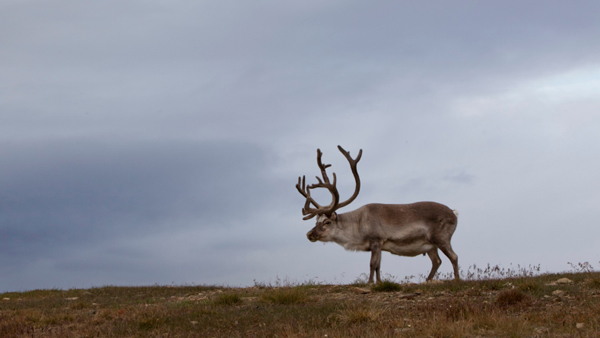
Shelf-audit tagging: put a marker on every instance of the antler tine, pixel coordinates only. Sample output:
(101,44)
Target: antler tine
(307,211)
(322,166)
(327,184)
(353,163)
(301,180)
(335,204)
(347,155)
(304,191)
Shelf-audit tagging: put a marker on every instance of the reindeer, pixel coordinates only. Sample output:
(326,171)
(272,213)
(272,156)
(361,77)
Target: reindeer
(402,229)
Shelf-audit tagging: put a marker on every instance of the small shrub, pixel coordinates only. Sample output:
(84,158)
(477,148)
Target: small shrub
(530,286)
(285,295)
(512,297)
(228,299)
(490,284)
(387,286)
(593,283)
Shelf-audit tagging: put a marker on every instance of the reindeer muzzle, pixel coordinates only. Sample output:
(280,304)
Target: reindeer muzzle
(311,236)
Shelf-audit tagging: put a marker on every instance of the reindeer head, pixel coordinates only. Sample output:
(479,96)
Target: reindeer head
(326,216)
(324,229)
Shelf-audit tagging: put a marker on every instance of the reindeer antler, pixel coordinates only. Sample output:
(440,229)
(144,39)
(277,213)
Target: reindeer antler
(310,212)
(353,163)
(307,210)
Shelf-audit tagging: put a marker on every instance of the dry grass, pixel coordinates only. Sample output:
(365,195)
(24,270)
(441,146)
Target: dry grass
(357,313)
(521,306)
(285,295)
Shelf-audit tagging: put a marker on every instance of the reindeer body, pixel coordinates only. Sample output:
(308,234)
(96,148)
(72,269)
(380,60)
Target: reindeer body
(401,229)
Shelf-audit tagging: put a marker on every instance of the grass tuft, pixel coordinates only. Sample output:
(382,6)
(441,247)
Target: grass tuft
(529,286)
(358,314)
(286,295)
(512,297)
(227,299)
(387,286)
(593,283)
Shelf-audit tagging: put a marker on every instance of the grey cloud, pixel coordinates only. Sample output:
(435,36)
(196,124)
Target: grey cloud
(67,192)
(460,176)
(187,123)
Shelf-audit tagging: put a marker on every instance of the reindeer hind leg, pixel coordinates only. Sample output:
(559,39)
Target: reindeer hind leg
(375,262)
(435,262)
(447,250)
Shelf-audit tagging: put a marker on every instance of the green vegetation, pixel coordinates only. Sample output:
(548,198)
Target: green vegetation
(228,299)
(387,286)
(522,305)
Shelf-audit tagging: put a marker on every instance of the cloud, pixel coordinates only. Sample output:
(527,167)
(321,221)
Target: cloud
(461,177)
(160,141)
(78,192)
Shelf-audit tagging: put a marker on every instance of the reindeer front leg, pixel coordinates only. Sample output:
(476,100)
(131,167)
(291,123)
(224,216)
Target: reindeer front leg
(375,262)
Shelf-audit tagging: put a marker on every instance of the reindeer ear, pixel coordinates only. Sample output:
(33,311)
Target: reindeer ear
(333,217)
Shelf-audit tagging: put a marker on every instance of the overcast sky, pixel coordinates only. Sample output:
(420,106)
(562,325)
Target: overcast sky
(151,141)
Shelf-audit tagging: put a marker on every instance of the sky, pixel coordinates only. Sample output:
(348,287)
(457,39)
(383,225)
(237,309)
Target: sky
(159,142)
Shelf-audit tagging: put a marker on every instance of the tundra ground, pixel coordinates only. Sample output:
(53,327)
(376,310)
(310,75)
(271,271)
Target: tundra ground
(547,305)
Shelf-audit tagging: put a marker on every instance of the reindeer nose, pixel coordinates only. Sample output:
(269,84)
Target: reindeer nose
(311,236)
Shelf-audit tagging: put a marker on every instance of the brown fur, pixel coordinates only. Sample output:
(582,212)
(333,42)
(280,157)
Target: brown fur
(402,229)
